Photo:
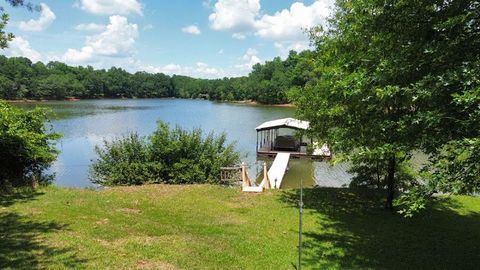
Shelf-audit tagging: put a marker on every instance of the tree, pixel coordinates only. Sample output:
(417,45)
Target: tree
(58,86)
(395,77)
(26,145)
(4,18)
(268,83)
(6,86)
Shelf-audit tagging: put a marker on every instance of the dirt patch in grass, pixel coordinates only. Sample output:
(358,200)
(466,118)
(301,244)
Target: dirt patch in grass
(248,200)
(102,221)
(35,211)
(144,264)
(179,241)
(231,220)
(129,211)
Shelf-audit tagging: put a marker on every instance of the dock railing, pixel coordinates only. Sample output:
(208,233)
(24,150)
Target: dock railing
(231,175)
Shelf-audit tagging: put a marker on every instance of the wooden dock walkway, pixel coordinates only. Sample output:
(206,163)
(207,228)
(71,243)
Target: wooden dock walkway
(278,169)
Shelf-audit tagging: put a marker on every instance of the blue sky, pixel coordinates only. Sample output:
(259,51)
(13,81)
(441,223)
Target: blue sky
(202,38)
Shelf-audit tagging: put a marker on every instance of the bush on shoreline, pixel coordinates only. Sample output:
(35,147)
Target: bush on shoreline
(170,155)
(26,146)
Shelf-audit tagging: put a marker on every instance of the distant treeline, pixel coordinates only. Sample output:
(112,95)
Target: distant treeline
(267,83)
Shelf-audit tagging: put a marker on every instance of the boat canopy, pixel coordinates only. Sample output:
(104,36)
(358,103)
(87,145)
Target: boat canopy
(284,123)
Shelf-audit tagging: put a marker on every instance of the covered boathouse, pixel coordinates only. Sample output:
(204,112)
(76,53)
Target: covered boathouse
(287,135)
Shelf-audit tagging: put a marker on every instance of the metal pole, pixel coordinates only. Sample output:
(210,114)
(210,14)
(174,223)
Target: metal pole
(300,206)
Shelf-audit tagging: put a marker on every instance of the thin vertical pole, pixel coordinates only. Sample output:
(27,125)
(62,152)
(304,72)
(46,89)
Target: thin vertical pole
(263,138)
(300,206)
(271,138)
(266,137)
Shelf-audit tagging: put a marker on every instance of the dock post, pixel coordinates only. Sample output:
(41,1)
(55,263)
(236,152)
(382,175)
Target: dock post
(265,177)
(245,180)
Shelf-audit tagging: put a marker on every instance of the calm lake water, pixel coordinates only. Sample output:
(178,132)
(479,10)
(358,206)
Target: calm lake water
(85,124)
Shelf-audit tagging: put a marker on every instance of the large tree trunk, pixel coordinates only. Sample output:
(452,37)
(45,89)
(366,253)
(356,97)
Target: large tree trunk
(390,182)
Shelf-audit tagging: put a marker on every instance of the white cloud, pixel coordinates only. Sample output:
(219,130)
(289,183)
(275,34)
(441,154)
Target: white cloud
(191,29)
(284,48)
(249,59)
(94,27)
(290,24)
(239,36)
(46,18)
(203,70)
(286,28)
(199,70)
(111,7)
(116,41)
(234,14)
(21,47)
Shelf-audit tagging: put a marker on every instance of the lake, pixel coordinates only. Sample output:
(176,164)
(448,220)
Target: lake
(85,124)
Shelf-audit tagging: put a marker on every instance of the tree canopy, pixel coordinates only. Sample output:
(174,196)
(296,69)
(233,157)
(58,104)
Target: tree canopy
(395,77)
(268,83)
(26,145)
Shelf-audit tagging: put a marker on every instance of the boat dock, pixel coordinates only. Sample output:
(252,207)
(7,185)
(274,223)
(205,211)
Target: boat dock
(273,141)
(288,135)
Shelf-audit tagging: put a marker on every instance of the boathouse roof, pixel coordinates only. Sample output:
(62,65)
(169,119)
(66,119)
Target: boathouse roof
(284,123)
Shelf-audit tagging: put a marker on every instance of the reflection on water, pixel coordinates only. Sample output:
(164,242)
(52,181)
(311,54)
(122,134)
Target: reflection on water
(310,172)
(85,124)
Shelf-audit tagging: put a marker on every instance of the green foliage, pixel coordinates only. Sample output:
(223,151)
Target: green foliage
(268,83)
(395,77)
(125,161)
(26,144)
(369,169)
(58,86)
(4,37)
(456,169)
(173,156)
(412,201)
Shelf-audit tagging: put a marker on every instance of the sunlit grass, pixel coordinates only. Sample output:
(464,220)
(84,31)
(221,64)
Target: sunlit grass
(202,226)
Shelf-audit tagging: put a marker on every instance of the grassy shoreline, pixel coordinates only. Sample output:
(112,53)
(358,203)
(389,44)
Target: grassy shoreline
(204,226)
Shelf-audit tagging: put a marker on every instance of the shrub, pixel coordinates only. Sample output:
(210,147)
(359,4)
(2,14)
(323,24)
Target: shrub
(173,156)
(125,161)
(26,145)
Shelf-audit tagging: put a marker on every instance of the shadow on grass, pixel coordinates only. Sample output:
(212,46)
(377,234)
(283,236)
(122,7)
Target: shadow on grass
(353,231)
(18,196)
(21,245)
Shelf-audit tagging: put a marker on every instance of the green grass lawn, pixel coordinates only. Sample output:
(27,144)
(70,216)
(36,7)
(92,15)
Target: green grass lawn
(198,227)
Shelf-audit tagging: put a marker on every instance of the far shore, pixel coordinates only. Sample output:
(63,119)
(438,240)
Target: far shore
(253,102)
(241,102)
(26,100)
